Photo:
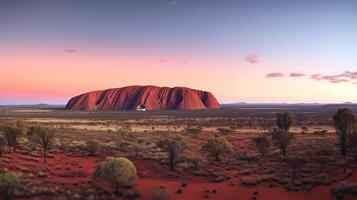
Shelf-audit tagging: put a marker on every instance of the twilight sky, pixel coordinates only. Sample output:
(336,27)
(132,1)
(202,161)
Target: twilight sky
(252,51)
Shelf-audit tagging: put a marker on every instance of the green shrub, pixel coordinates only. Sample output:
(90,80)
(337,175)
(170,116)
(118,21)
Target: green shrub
(217,146)
(9,182)
(118,171)
(93,147)
(263,144)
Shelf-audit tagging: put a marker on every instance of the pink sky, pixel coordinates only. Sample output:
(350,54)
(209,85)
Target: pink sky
(43,74)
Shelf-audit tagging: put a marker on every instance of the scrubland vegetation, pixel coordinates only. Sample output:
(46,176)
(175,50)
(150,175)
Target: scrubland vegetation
(167,156)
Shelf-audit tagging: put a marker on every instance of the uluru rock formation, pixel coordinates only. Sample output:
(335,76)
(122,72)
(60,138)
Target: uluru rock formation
(148,97)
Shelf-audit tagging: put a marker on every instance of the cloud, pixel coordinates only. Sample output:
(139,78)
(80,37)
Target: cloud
(275,75)
(70,50)
(339,78)
(345,77)
(296,75)
(253,58)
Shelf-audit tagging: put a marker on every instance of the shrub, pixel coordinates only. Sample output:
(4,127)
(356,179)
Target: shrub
(2,144)
(174,145)
(93,147)
(216,146)
(194,130)
(263,144)
(118,171)
(43,136)
(344,121)
(160,193)
(224,130)
(9,182)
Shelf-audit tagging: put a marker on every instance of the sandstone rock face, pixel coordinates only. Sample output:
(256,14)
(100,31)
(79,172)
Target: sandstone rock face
(150,97)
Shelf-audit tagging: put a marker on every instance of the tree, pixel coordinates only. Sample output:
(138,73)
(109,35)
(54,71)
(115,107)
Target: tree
(284,121)
(344,121)
(9,182)
(353,143)
(93,147)
(263,144)
(174,145)
(43,136)
(118,171)
(282,139)
(12,134)
(216,146)
(2,144)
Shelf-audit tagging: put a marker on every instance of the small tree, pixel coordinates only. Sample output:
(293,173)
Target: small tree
(282,139)
(217,146)
(263,144)
(344,121)
(2,144)
(174,146)
(44,137)
(93,147)
(353,143)
(284,121)
(9,182)
(118,171)
(12,134)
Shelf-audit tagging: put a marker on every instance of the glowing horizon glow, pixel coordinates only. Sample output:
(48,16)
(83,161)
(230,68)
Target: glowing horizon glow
(50,52)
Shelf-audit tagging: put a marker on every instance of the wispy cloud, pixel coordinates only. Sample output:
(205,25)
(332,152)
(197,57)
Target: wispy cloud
(70,50)
(275,75)
(253,58)
(346,76)
(296,75)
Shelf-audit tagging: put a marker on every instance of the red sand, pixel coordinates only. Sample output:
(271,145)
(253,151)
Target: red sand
(151,175)
(152,97)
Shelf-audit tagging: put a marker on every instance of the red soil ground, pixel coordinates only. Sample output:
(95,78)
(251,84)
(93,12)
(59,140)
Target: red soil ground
(150,176)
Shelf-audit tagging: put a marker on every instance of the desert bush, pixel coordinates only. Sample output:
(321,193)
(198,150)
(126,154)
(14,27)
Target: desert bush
(174,145)
(93,147)
(353,143)
(217,146)
(344,121)
(196,161)
(12,134)
(160,193)
(43,136)
(263,144)
(284,121)
(224,130)
(194,130)
(2,144)
(282,139)
(118,171)
(9,182)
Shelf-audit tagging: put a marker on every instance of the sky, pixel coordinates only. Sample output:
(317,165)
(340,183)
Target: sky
(241,51)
